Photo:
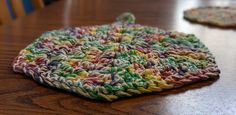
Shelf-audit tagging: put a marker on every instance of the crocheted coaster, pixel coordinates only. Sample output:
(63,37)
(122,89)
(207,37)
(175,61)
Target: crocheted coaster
(218,16)
(121,59)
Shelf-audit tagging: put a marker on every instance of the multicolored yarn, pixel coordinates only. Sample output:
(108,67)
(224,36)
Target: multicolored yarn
(122,59)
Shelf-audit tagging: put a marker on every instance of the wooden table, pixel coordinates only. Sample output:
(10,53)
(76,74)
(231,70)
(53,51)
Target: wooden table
(21,95)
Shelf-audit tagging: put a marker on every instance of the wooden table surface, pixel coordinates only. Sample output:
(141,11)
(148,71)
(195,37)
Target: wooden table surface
(21,95)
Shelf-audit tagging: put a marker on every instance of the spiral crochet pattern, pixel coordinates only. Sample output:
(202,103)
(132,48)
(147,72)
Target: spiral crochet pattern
(117,60)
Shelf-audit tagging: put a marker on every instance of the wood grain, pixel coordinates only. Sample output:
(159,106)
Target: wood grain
(21,95)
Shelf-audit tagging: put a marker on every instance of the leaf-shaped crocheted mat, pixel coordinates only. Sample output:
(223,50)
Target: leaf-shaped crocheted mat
(117,60)
(216,16)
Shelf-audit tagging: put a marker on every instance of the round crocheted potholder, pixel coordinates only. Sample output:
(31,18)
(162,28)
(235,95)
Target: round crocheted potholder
(122,59)
(217,16)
